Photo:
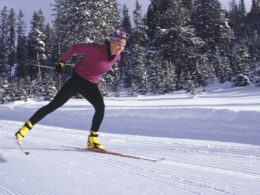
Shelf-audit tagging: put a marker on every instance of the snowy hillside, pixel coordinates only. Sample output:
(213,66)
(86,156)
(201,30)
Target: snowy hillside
(209,145)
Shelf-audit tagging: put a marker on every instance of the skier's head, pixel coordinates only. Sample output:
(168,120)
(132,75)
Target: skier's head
(118,36)
(118,42)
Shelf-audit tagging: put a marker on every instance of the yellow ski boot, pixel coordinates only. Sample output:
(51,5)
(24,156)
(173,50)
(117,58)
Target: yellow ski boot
(93,142)
(19,135)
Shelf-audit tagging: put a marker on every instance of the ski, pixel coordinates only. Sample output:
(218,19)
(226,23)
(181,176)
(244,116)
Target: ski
(21,148)
(123,155)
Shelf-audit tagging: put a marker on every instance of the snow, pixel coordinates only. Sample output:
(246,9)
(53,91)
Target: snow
(210,145)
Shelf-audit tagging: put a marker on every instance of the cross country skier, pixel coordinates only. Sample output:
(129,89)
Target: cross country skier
(97,59)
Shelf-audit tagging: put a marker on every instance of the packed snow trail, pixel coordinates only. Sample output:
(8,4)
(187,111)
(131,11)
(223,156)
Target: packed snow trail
(190,167)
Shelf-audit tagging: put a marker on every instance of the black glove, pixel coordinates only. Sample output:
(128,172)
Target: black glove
(60,66)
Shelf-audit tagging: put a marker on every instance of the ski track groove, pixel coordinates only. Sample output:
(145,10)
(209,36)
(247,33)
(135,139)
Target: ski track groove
(31,185)
(50,190)
(214,169)
(185,147)
(35,184)
(164,177)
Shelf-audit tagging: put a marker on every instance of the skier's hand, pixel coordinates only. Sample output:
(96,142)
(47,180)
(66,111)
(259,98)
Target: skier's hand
(60,66)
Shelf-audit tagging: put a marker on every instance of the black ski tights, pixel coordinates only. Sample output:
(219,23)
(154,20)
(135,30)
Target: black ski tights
(74,85)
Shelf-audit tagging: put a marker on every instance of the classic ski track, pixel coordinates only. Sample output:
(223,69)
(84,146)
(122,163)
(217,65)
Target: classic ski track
(150,173)
(194,148)
(174,146)
(161,177)
(31,185)
(211,169)
(109,161)
(34,184)
(181,180)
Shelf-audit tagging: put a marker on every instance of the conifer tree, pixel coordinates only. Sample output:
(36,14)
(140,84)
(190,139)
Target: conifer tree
(50,89)
(27,87)
(87,20)
(173,35)
(242,8)
(137,44)
(4,68)
(21,50)
(240,66)
(11,41)
(126,21)
(125,73)
(254,8)
(207,21)
(36,44)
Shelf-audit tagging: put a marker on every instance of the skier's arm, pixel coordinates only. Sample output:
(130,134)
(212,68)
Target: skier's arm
(74,49)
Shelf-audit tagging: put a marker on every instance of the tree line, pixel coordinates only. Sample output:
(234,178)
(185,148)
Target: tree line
(177,44)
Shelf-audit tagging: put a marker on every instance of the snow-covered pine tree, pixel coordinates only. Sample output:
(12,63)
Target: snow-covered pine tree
(188,4)
(125,74)
(204,71)
(254,7)
(4,90)
(126,21)
(50,89)
(224,69)
(103,19)
(234,17)
(36,45)
(170,77)
(21,49)
(27,87)
(84,20)
(242,8)
(11,41)
(240,64)
(113,80)
(242,18)
(225,47)
(190,85)
(156,72)
(8,91)
(207,22)
(256,76)
(103,86)
(252,22)
(3,60)
(137,47)
(37,88)
(68,16)
(4,68)
(173,35)
(51,57)
(238,19)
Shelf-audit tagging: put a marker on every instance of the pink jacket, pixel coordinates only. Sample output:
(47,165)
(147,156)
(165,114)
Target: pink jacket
(95,61)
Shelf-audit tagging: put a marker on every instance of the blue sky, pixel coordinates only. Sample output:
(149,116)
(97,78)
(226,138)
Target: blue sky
(28,6)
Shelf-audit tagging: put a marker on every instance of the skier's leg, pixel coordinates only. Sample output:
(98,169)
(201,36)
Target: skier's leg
(93,95)
(67,91)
